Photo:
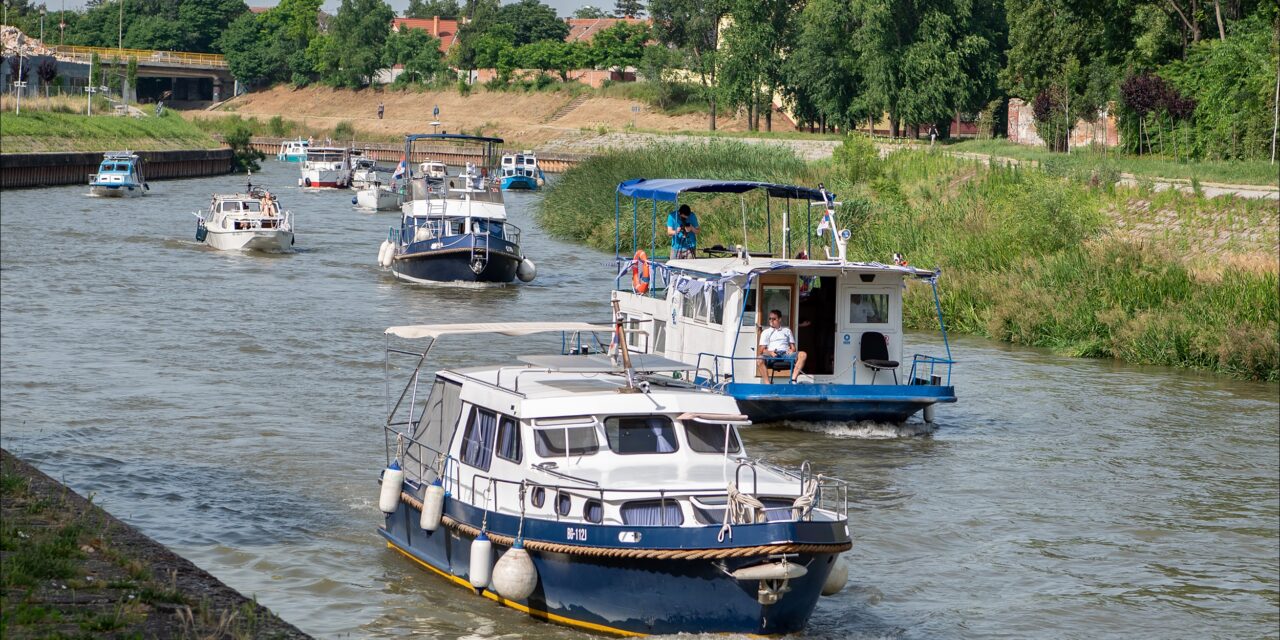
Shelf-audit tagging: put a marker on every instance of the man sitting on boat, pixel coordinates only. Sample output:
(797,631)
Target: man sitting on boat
(682,226)
(778,349)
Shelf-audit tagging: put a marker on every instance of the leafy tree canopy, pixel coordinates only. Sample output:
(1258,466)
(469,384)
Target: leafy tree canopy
(418,51)
(619,46)
(351,53)
(432,8)
(533,21)
(628,9)
(590,12)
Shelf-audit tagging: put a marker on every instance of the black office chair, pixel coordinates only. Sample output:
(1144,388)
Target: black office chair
(874,352)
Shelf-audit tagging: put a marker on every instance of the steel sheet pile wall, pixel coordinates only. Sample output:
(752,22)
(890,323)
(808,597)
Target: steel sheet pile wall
(46,169)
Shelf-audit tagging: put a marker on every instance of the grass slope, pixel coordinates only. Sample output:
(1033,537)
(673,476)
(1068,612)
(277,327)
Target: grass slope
(1027,257)
(54,131)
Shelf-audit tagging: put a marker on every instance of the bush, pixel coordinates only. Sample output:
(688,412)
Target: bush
(344,131)
(277,127)
(858,159)
(244,157)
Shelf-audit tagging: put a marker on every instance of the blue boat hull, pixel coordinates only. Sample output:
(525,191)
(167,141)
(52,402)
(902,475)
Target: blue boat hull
(520,183)
(625,596)
(835,402)
(291,158)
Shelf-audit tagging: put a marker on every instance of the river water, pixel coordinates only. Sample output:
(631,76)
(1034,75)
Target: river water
(229,406)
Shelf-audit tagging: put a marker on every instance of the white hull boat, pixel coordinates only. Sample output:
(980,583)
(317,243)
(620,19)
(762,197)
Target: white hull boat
(250,221)
(378,198)
(119,176)
(326,167)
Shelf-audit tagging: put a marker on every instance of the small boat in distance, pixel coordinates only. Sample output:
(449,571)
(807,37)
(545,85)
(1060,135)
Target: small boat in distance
(293,150)
(364,170)
(434,170)
(119,176)
(253,220)
(378,197)
(455,230)
(325,167)
(588,491)
(520,172)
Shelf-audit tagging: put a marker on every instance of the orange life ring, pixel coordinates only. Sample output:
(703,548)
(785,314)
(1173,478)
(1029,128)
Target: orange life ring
(640,272)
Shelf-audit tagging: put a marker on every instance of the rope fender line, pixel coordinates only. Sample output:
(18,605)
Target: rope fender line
(656,554)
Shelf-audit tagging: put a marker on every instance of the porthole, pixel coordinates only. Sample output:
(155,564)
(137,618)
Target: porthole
(538,497)
(563,503)
(593,511)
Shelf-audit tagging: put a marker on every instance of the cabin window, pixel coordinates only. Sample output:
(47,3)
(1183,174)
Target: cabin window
(254,206)
(593,511)
(574,441)
(748,307)
(640,434)
(652,513)
(477,441)
(659,336)
(716,297)
(868,308)
(564,502)
(710,438)
(538,497)
(509,439)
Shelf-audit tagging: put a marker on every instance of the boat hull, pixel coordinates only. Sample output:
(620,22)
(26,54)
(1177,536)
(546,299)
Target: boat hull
(117,191)
(627,596)
(375,199)
(454,265)
(519,183)
(323,179)
(271,240)
(291,157)
(835,402)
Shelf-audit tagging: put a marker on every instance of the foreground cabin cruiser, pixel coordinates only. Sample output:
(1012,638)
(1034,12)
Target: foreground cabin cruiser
(846,316)
(253,220)
(586,492)
(455,229)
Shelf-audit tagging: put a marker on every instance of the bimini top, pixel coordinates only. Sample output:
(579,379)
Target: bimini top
(669,189)
(449,136)
(505,328)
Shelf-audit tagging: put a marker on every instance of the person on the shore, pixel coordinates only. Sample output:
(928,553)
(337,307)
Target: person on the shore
(777,349)
(682,227)
(380,110)
(933,134)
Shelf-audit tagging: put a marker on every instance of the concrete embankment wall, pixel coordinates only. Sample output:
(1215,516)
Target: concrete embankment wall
(55,168)
(390,152)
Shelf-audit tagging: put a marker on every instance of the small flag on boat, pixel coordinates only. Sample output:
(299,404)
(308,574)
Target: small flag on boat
(401,168)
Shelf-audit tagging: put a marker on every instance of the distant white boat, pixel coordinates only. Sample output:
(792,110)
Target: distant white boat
(364,171)
(378,197)
(325,167)
(253,221)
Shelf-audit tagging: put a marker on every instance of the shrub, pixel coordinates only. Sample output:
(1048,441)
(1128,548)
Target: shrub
(277,126)
(244,157)
(344,131)
(858,159)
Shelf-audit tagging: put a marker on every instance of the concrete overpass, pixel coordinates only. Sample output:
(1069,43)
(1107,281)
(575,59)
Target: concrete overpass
(179,75)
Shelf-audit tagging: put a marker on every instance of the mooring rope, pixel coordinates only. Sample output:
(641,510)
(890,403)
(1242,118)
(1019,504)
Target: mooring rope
(656,554)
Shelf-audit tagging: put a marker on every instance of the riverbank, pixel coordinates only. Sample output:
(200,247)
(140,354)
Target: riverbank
(1080,266)
(71,569)
(35,131)
(18,170)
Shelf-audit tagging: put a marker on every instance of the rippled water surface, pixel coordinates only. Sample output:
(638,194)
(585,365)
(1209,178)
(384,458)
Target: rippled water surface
(229,404)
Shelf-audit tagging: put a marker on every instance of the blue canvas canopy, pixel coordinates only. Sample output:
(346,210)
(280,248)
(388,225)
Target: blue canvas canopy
(669,189)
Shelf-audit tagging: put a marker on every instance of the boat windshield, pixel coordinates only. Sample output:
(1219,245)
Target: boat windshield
(706,437)
(236,206)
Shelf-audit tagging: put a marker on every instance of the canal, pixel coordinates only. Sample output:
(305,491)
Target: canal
(229,406)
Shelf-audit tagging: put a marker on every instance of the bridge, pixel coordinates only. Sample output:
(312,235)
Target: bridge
(179,75)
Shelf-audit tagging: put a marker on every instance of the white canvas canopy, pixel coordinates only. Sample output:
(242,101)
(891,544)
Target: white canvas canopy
(433,331)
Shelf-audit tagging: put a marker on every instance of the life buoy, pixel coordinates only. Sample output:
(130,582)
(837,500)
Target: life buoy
(307,181)
(640,274)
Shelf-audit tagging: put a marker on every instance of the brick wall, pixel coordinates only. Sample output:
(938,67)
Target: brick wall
(1022,128)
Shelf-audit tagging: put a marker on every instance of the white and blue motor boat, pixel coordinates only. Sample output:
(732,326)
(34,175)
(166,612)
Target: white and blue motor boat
(119,176)
(293,150)
(520,171)
(584,490)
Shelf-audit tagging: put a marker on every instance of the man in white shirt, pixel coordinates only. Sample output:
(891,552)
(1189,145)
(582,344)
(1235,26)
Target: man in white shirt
(778,349)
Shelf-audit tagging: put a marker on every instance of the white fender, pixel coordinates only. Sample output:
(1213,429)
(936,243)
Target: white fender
(836,579)
(929,410)
(771,571)
(432,507)
(526,270)
(384,253)
(392,481)
(481,562)
(514,576)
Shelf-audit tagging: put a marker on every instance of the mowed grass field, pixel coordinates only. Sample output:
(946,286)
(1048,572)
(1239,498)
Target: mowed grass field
(57,127)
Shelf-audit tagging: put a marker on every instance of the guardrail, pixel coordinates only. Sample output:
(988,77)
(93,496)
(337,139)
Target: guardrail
(105,54)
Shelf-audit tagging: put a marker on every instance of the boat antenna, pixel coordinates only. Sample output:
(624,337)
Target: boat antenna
(622,348)
(248,181)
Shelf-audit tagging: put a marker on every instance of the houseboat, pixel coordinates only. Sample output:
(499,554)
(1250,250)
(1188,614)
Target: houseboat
(293,150)
(587,491)
(325,167)
(520,171)
(802,338)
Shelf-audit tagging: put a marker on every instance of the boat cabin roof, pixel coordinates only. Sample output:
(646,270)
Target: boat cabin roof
(731,266)
(531,392)
(669,189)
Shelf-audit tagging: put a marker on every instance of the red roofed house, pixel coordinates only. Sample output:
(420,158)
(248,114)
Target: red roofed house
(584,29)
(445,30)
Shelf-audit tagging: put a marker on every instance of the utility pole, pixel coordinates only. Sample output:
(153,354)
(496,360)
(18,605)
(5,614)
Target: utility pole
(42,25)
(120,35)
(19,85)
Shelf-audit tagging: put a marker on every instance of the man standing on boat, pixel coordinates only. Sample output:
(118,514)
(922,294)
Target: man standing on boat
(778,349)
(682,226)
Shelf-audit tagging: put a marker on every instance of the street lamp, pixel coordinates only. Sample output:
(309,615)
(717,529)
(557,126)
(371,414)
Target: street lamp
(19,85)
(42,25)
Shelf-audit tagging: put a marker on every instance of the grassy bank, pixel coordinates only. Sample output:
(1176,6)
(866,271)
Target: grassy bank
(1252,172)
(1027,257)
(280,127)
(54,131)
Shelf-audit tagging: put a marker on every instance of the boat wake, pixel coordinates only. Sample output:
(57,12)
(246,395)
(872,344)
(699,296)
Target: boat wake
(866,430)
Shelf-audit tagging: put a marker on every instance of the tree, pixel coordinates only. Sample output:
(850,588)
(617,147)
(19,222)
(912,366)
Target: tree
(823,77)
(590,13)
(432,8)
(533,21)
(628,9)
(755,44)
(482,15)
(620,46)
(417,51)
(351,53)
(254,56)
(488,49)
(694,27)
(202,21)
(48,72)
(155,32)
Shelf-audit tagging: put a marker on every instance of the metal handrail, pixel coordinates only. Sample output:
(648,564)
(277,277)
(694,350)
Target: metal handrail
(933,362)
(107,53)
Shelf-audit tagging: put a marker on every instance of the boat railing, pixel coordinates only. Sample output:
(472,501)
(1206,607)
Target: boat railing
(930,370)
(424,464)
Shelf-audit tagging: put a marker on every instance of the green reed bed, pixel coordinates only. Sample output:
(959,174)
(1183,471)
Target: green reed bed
(54,131)
(1026,257)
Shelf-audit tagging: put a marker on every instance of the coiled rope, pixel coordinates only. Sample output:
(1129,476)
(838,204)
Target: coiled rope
(656,554)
